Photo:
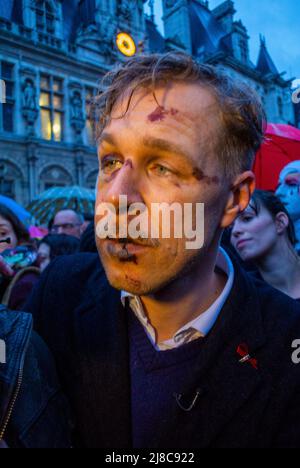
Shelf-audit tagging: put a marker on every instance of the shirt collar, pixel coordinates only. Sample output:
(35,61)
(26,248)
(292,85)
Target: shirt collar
(202,324)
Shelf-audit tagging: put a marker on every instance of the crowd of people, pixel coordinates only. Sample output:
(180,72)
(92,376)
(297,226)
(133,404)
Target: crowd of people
(23,258)
(139,346)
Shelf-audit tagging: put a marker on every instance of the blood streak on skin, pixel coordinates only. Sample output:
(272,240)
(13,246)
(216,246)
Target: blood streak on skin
(129,163)
(133,282)
(160,114)
(200,176)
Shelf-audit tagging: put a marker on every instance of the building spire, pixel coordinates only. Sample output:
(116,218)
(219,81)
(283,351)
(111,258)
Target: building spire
(265,63)
(262,41)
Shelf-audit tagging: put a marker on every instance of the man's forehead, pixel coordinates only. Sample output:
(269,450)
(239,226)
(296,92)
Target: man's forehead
(179,101)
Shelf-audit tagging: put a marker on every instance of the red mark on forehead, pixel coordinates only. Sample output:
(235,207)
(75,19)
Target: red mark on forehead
(200,176)
(160,114)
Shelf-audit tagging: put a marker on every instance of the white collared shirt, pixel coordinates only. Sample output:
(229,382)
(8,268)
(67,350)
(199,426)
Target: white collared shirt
(197,328)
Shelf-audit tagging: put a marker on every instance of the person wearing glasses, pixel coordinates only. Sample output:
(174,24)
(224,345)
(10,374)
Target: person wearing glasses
(68,222)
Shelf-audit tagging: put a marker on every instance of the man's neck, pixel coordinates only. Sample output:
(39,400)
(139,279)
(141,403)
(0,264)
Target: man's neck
(185,299)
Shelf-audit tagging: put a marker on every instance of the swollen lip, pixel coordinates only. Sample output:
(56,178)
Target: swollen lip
(124,250)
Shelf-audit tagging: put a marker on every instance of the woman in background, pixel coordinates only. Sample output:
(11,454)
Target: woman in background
(55,245)
(19,255)
(264,234)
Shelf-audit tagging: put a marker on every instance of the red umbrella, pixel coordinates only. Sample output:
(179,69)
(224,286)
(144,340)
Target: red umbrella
(281,147)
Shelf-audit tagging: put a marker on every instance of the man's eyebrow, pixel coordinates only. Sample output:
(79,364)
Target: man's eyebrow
(164,145)
(107,138)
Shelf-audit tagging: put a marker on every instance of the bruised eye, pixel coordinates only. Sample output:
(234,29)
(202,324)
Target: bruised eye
(109,165)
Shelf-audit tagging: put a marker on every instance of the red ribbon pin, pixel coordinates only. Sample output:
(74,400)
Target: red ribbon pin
(243,351)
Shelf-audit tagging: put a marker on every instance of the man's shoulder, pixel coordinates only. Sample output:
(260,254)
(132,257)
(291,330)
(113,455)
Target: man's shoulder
(74,273)
(75,265)
(69,282)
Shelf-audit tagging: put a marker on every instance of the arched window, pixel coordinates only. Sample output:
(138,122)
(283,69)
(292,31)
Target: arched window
(11,180)
(54,176)
(45,17)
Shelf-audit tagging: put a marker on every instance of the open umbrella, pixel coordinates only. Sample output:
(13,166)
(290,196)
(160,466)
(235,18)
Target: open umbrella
(38,232)
(18,210)
(48,203)
(281,147)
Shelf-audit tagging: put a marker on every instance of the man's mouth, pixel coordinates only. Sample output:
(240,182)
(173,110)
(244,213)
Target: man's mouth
(127,249)
(141,241)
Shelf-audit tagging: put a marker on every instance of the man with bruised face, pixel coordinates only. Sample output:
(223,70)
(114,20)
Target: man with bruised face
(158,345)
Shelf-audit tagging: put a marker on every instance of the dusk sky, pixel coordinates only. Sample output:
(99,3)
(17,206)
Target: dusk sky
(277,20)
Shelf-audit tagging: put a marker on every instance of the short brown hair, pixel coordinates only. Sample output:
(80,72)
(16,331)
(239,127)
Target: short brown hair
(242,114)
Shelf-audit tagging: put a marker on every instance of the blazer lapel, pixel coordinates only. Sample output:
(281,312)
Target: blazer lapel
(104,369)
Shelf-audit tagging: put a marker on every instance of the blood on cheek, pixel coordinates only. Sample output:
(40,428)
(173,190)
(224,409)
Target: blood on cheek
(201,177)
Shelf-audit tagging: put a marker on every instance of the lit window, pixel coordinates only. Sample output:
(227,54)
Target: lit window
(51,105)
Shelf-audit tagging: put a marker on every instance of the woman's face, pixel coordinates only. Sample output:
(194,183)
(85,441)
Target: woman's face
(7,231)
(254,235)
(43,256)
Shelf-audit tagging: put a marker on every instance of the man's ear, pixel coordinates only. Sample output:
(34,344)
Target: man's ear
(240,194)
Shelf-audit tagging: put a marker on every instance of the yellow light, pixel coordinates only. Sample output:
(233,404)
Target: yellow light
(56,129)
(126,44)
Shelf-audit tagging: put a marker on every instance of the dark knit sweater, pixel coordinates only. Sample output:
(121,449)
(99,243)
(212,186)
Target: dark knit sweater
(157,377)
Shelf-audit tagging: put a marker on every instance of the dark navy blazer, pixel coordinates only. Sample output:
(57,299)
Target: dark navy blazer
(81,318)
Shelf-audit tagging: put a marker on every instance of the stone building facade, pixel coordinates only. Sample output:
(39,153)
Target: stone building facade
(53,54)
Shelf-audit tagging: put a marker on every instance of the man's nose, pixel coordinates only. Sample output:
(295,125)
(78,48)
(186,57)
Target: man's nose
(126,182)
